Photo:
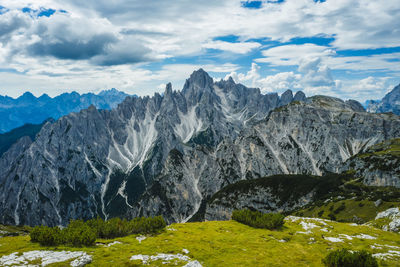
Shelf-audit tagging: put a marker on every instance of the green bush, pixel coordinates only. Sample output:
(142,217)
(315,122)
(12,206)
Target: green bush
(46,236)
(116,227)
(258,219)
(80,233)
(345,258)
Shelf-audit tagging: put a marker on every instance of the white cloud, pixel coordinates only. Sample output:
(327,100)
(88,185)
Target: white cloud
(240,48)
(293,55)
(365,89)
(315,74)
(287,55)
(279,82)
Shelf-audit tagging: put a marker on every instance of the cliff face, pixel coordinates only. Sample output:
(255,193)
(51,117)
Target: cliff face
(379,165)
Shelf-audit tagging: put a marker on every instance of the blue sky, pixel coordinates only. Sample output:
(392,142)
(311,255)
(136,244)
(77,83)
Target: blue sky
(347,49)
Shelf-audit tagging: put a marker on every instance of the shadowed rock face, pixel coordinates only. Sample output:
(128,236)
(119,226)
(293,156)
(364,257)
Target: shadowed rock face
(389,103)
(168,154)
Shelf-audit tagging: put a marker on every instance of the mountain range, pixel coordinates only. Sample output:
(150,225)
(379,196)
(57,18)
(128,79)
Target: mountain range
(169,154)
(27,108)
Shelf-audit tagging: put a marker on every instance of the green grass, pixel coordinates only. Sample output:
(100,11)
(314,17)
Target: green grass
(227,243)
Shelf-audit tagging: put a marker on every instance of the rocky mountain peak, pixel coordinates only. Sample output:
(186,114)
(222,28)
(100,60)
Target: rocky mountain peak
(393,97)
(230,80)
(389,103)
(299,96)
(199,79)
(286,98)
(168,89)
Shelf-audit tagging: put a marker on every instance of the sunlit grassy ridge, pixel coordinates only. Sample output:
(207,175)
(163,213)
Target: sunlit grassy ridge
(230,243)
(390,147)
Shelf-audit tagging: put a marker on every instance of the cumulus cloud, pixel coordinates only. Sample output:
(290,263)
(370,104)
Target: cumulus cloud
(126,51)
(10,22)
(279,82)
(315,74)
(365,89)
(64,37)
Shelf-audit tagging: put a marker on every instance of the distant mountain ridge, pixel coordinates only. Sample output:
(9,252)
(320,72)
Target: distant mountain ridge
(15,112)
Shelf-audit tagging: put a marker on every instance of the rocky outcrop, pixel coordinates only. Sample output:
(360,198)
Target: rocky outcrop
(379,165)
(392,217)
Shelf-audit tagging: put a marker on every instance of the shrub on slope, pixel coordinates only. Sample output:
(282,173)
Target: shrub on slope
(258,219)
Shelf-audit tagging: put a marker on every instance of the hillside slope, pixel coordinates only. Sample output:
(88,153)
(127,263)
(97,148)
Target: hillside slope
(301,242)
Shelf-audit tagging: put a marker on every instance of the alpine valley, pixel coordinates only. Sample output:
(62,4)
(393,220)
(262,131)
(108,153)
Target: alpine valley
(185,155)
